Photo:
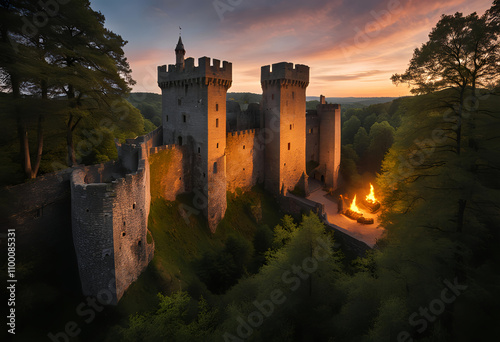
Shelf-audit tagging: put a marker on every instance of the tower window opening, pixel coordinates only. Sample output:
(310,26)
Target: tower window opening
(184,118)
(217,121)
(167,118)
(288,146)
(215,167)
(217,145)
(290,127)
(293,95)
(199,149)
(243,146)
(217,107)
(186,89)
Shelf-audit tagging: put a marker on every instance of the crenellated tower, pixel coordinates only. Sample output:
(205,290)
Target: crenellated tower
(329,141)
(194,116)
(284,121)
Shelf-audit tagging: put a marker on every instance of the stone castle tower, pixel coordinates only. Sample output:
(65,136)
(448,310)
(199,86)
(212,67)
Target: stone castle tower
(284,118)
(194,115)
(329,140)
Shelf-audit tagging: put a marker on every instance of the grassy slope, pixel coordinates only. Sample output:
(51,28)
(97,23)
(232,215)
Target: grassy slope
(179,241)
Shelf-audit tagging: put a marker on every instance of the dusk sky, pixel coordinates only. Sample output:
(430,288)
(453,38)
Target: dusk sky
(352,47)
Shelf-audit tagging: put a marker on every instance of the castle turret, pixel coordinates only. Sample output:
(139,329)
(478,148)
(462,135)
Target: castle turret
(179,53)
(194,116)
(284,121)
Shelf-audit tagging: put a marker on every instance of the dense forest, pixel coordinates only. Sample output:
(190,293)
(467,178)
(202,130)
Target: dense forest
(266,276)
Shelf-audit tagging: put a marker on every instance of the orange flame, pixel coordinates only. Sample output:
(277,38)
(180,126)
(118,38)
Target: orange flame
(353,206)
(370,198)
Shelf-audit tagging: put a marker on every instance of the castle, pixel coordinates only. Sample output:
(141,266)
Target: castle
(269,145)
(212,147)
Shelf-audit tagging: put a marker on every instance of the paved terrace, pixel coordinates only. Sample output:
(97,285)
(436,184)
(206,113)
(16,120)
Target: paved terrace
(361,232)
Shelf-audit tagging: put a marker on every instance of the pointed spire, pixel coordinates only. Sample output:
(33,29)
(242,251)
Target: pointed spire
(180,46)
(179,53)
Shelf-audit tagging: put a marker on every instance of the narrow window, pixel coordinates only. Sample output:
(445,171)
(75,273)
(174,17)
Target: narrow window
(288,146)
(290,127)
(185,89)
(179,102)
(199,149)
(217,145)
(167,118)
(217,122)
(293,95)
(243,146)
(139,243)
(184,118)
(215,167)
(123,233)
(217,108)
(133,206)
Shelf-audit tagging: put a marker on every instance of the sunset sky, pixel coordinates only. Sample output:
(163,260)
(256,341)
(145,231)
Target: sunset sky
(352,47)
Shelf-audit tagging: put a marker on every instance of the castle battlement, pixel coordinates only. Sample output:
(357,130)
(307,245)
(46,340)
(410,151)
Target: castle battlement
(243,132)
(205,73)
(285,73)
(328,107)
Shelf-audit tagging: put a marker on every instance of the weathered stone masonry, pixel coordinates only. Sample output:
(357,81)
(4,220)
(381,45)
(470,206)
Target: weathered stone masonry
(110,208)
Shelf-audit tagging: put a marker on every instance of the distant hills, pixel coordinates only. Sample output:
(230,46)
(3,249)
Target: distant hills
(351,100)
(150,103)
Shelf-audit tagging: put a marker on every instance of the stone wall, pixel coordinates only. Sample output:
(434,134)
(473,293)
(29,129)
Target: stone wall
(170,170)
(40,212)
(312,136)
(245,159)
(109,217)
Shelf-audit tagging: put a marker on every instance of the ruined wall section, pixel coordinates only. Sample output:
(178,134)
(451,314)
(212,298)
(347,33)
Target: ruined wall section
(170,167)
(289,146)
(110,208)
(245,159)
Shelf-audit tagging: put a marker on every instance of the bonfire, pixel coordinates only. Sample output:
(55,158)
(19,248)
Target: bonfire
(371,202)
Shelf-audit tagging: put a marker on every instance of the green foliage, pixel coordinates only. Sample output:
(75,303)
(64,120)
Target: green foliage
(361,141)
(349,129)
(221,270)
(178,318)
(150,106)
(302,308)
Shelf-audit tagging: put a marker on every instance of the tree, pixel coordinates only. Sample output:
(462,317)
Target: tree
(462,53)
(69,54)
(94,73)
(349,129)
(361,141)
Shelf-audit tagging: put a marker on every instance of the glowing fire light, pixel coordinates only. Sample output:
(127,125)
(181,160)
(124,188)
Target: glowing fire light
(370,198)
(353,206)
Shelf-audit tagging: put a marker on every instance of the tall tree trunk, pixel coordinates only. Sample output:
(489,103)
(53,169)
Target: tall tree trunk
(69,142)
(36,166)
(38,160)
(23,132)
